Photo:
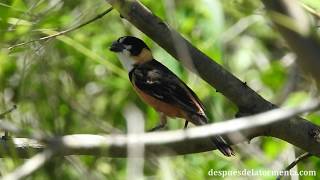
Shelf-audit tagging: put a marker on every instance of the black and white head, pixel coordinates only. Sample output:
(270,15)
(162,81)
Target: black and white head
(131,51)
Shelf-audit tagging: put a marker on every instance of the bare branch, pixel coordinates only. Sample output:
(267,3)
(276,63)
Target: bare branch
(63,32)
(179,142)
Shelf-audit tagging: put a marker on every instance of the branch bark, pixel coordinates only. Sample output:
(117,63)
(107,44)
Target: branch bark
(296,131)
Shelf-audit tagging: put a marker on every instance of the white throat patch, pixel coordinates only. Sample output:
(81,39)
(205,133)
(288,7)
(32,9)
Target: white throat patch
(126,61)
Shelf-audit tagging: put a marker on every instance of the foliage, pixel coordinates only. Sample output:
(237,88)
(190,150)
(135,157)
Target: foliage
(74,84)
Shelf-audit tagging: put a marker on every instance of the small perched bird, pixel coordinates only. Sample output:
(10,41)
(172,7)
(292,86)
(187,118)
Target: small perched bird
(161,88)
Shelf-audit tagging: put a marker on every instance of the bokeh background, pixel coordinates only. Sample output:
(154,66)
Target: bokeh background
(73,84)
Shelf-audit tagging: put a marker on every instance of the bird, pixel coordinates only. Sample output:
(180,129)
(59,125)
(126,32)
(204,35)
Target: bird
(159,87)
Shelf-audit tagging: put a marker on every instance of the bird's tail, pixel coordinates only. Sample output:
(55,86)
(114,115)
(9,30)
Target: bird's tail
(218,141)
(223,147)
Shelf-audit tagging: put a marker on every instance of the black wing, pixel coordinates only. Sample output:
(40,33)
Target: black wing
(158,81)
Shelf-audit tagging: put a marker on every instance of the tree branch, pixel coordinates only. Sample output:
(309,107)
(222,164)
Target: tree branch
(62,32)
(296,131)
(179,142)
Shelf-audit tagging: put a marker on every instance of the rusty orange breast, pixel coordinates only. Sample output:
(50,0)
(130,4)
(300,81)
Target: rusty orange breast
(160,106)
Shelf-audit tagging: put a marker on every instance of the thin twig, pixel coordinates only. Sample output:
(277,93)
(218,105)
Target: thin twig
(8,111)
(300,158)
(311,10)
(63,32)
(295,162)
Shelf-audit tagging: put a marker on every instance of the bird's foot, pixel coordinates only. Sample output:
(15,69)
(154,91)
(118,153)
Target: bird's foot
(160,126)
(186,124)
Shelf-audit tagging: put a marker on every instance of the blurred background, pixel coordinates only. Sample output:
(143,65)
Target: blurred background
(73,84)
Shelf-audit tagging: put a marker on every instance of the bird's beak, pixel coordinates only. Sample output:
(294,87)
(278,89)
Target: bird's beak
(116,47)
